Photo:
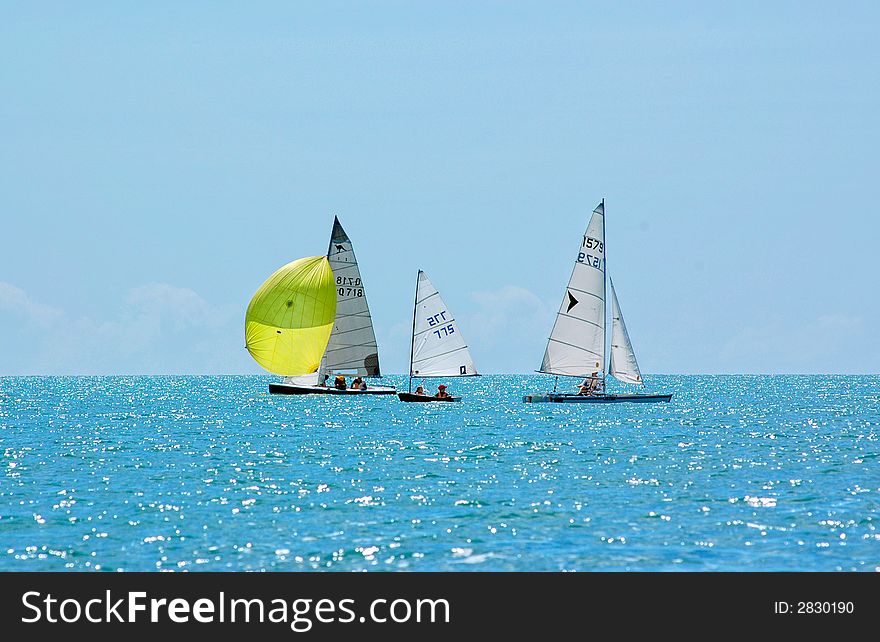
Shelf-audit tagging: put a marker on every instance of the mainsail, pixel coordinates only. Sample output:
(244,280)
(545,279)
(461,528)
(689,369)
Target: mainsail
(577,343)
(438,349)
(624,366)
(289,319)
(352,347)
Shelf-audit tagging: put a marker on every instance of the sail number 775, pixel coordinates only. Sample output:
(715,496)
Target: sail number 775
(438,319)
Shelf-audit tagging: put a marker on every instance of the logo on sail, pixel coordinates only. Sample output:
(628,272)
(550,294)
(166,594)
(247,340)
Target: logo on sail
(340,248)
(571,301)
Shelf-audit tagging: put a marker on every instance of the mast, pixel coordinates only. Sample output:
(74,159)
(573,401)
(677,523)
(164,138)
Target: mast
(412,338)
(606,362)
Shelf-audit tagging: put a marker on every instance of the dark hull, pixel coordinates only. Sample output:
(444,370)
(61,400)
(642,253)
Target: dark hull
(552,397)
(291,389)
(409,396)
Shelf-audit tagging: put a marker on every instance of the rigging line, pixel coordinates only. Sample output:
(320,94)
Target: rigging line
(412,343)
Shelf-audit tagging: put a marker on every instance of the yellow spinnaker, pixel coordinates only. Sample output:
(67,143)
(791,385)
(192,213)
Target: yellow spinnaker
(288,322)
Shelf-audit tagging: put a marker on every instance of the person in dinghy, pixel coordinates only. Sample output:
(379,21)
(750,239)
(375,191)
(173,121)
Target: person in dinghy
(592,385)
(441,392)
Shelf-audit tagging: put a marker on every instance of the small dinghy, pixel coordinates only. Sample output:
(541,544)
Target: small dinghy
(576,347)
(351,349)
(437,349)
(411,396)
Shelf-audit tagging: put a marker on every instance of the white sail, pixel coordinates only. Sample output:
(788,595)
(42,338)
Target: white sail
(438,349)
(303,380)
(577,343)
(311,379)
(624,366)
(352,347)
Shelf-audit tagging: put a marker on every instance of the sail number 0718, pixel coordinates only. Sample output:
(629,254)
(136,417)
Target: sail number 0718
(349,286)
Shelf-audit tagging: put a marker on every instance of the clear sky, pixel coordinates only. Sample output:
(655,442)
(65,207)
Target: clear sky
(159,160)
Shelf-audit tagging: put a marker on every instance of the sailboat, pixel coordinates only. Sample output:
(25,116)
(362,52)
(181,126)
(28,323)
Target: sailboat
(290,317)
(576,347)
(438,348)
(352,349)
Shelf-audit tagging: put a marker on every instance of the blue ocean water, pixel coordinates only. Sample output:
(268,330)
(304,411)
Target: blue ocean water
(213,473)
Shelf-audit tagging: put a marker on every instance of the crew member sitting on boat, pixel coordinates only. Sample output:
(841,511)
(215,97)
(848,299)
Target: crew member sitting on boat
(323,382)
(358,384)
(591,385)
(420,391)
(441,391)
(339,382)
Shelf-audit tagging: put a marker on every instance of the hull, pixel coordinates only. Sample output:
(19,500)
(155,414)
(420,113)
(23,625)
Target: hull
(293,389)
(409,396)
(552,397)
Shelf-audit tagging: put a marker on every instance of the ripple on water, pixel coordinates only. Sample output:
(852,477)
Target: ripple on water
(212,473)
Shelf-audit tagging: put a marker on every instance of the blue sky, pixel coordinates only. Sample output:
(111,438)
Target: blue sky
(159,160)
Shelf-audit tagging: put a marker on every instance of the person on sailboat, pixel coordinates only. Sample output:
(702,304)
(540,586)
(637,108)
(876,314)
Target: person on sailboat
(339,382)
(420,391)
(590,385)
(441,391)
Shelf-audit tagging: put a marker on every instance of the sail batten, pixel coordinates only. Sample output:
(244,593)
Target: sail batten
(352,345)
(438,348)
(576,346)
